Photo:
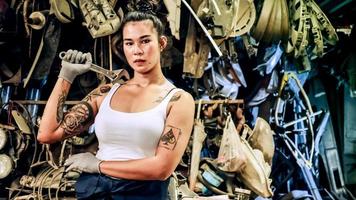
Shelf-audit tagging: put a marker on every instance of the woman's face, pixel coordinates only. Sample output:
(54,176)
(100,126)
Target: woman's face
(142,46)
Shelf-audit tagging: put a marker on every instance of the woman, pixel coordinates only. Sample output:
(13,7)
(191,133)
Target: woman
(142,126)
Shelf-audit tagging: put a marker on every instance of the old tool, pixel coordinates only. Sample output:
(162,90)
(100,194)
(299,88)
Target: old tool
(115,76)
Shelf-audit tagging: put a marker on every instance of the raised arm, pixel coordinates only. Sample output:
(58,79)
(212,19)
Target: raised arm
(173,142)
(55,124)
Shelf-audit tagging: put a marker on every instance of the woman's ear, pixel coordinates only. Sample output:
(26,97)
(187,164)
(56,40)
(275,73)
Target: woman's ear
(163,40)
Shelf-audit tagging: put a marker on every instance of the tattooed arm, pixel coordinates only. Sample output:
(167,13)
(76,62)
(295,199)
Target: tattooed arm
(57,125)
(172,144)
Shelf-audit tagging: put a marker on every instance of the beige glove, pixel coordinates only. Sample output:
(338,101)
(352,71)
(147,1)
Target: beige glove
(84,162)
(74,63)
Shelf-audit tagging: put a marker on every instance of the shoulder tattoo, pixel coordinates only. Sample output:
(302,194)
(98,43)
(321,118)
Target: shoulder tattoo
(105,88)
(97,92)
(77,119)
(170,138)
(175,97)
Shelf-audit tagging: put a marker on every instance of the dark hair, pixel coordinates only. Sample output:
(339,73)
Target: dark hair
(136,16)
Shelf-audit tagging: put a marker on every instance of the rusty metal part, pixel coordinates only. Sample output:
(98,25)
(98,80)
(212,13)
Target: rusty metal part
(326,25)
(174,10)
(8,127)
(100,18)
(62,10)
(246,16)
(224,15)
(203,28)
(37,19)
(318,38)
(25,17)
(27,181)
(262,22)
(195,60)
(273,22)
(285,20)
(21,122)
(15,79)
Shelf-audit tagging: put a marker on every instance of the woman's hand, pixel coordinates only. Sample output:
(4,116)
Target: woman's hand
(84,162)
(74,63)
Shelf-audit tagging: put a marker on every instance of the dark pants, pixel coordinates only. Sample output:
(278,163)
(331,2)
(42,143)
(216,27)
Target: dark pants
(96,186)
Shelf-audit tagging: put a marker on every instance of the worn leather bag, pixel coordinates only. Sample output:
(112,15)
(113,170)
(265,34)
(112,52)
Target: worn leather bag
(262,138)
(237,155)
(231,157)
(256,173)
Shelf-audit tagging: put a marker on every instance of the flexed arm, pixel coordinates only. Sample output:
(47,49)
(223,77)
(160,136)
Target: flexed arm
(55,124)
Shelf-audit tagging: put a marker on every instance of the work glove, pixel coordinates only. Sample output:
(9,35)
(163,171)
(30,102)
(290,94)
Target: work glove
(74,63)
(84,162)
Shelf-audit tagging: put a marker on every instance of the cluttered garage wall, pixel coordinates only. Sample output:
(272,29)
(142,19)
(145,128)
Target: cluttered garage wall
(274,94)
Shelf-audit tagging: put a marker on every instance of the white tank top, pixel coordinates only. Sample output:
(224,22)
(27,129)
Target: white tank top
(126,136)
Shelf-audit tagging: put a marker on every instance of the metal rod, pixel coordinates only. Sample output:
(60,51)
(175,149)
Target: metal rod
(301,119)
(110,54)
(217,49)
(42,102)
(237,101)
(7,127)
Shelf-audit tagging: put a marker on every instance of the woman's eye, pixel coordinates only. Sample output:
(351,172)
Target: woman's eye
(146,41)
(128,43)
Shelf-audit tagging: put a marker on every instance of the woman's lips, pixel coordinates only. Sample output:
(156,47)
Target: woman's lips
(138,61)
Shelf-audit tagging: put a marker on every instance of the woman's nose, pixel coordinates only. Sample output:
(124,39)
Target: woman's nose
(137,50)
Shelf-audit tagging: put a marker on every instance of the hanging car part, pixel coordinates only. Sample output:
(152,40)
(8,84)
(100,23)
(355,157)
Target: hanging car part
(21,122)
(262,22)
(306,15)
(63,10)
(195,60)
(100,17)
(224,15)
(203,28)
(174,9)
(246,16)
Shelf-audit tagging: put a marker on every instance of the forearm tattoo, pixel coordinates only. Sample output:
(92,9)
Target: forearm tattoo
(77,119)
(170,138)
(60,105)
